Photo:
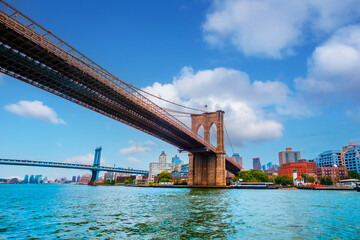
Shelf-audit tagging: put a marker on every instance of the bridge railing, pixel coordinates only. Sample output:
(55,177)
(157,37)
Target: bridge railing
(26,26)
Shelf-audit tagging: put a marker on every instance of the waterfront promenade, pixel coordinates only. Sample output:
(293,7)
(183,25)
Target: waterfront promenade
(79,212)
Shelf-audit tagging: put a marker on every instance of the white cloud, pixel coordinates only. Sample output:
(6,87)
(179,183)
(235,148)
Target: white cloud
(247,105)
(271,28)
(137,148)
(334,71)
(87,159)
(20,178)
(133,160)
(35,109)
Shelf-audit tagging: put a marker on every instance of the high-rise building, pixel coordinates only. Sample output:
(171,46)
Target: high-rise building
(78,178)
(74,179)
(237,159)
(110,176)
(269,165)
(155,168)
(329,159)
(351,157)
(301,167)
(38,179)
(288,156)
(45,180)
(256,163)
(263,167)
(32,179)
(86,178)
(176,160)
(185,168)
(26,179)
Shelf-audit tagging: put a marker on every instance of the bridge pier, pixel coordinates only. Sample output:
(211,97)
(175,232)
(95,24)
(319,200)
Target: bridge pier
(207,168)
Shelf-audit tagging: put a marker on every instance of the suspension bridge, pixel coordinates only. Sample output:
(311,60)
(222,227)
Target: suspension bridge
(95,168)
(34,55)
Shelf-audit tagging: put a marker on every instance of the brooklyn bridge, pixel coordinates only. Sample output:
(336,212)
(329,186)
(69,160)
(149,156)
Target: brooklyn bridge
(34,55)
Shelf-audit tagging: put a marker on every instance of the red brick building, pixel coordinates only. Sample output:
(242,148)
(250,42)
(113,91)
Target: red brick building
(301,167)
(336,173)
(86,178)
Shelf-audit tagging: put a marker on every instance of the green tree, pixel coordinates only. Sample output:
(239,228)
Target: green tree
(128,181)
(183,182)
(353,175)
(176,182)
(164,177)
(252,175)
(326,181)
(246,176)
(112,182)
(259,175)
(311,179)
(304,177)
(284,180)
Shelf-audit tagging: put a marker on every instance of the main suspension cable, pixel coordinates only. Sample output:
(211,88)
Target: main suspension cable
(176,111)
(195,109)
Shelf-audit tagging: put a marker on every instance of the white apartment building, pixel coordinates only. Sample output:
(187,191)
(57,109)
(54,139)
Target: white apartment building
(155,168)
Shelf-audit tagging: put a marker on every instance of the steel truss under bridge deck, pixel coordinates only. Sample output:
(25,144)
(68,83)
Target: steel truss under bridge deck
(36,56)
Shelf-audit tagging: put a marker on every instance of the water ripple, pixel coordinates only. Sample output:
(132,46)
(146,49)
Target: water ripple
(84,212)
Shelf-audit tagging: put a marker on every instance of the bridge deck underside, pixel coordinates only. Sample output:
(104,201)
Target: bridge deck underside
(33,64)
(30,62)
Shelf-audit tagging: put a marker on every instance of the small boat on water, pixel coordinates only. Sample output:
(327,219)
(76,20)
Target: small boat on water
(252,185)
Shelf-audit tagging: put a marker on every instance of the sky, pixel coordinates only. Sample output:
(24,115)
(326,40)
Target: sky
(285,73)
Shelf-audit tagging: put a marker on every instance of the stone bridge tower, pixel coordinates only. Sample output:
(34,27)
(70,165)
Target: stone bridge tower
(207,168)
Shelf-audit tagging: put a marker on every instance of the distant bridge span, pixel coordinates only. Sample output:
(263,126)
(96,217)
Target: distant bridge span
(95,168)
(36,56)
(32,163)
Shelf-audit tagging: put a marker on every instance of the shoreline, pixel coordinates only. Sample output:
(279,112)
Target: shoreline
(231,187)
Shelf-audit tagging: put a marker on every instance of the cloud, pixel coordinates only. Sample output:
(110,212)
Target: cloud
(272,28)
(133,160)
(333,71)
(20,178)
(87,159)
(137,148)
(248,105)
(36,110)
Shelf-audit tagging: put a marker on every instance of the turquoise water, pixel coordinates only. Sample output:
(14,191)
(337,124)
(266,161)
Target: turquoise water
(114,212)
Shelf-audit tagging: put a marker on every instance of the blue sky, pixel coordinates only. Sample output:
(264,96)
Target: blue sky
(285,73)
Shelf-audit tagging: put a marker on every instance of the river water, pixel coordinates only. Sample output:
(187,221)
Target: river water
(115,212)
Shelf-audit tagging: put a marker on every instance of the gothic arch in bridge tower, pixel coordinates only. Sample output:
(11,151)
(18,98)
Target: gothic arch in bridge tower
(200,131)
(206,120)
(207,168)
(213,134)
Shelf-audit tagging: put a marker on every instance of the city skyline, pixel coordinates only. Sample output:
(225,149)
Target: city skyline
(192,51)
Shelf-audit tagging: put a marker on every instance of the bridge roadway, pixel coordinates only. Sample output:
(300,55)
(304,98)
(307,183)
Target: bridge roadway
(36,56)
(70,165)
